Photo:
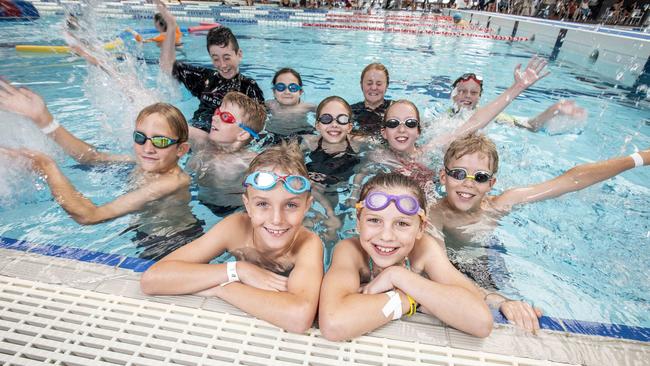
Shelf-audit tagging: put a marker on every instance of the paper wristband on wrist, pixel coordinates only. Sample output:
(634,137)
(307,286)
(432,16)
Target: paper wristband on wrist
(638,160)
(231,272)
(51,127)
(393,305)
(412,306)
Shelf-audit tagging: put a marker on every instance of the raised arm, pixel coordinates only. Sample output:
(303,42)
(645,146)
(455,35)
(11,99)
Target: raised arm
(562,108)
(574,179)
(344,313)
(83,210)
(533,72)
(31,105)
(168,46)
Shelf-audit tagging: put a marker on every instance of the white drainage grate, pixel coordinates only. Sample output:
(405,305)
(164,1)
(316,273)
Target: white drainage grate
(50,324)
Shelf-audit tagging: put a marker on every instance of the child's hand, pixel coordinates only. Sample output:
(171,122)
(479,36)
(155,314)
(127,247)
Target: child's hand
(38,160)
(569,108)
(25,102)
(522,314)
(383,282)
(534,72)
(263,279)
(166,14)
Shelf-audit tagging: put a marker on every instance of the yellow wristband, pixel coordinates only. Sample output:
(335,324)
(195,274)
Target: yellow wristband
(412,306)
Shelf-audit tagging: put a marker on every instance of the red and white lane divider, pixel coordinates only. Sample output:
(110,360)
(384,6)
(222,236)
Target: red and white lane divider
(417,31)
(412,24)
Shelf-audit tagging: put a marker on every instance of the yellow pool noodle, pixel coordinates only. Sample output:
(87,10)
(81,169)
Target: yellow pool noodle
(62,49)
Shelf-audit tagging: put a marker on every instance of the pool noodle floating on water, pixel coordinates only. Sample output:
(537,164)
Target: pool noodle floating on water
(203,26)
(61,49)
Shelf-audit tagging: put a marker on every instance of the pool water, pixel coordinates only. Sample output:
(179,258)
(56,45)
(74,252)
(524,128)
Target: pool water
(582,256)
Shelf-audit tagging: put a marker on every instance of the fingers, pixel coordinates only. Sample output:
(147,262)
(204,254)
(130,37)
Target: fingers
(522,315)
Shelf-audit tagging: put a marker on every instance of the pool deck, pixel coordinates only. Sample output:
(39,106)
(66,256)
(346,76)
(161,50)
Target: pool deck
(74,307)
(65,311)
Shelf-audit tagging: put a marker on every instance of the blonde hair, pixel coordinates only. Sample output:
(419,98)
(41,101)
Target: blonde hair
(333,98)
(255,114)
(286,156)
(410,104)
(470,144)
(375,66)
(392,181)
(172,115)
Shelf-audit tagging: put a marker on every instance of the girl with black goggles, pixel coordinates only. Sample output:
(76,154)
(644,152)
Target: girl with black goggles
(409,123)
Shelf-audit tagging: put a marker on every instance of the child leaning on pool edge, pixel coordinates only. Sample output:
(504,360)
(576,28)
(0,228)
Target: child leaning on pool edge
(392,266)
(279,262)
(467,211)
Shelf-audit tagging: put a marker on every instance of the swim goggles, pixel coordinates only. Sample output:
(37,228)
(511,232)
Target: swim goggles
(293,87)
(160,142)
(394,123)
(227,117)
(326,119)
(377,201)
(265,181)
(461,174)
(469,76)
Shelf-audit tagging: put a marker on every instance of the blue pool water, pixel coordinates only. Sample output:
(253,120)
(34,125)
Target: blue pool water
(583,256)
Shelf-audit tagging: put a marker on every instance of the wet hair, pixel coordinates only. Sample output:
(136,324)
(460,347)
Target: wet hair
(171,114)
(375,66)
(464,78)
(287,70)
(255,114)
(158,18)
(285,156)
(470,144)
(223,37)
(390,181)
(409,103)
(333,98)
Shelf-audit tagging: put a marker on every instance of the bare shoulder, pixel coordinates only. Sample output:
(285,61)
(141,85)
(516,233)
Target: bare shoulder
(168,183)
(307,240)
(236,226)
(348,253)
(427,247)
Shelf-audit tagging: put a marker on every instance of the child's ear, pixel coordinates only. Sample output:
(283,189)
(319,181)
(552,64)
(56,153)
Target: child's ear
(244,136)
(244,199)
(443,176)
(423,225)
(492,182)
(383,133)
(182,149)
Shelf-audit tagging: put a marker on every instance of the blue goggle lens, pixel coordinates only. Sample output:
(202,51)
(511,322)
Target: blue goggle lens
(293,87)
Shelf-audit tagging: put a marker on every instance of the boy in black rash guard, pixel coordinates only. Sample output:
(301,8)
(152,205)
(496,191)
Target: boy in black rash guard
(209,85)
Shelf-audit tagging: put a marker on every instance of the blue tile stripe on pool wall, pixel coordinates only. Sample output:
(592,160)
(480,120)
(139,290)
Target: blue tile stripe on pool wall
(140,265)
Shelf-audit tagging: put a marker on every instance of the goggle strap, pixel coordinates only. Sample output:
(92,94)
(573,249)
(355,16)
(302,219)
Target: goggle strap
(255,135)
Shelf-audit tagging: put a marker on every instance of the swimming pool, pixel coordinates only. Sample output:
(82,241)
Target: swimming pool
(581,257)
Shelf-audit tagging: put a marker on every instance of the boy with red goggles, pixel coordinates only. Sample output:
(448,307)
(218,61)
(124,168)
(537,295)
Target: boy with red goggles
(220,157)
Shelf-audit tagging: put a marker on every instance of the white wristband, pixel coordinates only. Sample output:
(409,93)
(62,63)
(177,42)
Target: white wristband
(638,160)
(231,272)
(51,127)
(393,305)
